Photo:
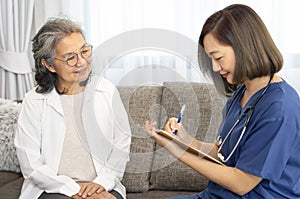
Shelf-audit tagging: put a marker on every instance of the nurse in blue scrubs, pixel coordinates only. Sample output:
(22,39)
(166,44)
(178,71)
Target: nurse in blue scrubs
(259,138)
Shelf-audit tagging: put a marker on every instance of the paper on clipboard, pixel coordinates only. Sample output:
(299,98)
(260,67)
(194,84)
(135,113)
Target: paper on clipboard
(187,147)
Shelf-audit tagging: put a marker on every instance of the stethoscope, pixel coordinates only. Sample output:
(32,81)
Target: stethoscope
(248,112)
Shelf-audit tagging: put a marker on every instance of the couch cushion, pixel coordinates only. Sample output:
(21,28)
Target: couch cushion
(12,189)
(141,104)
(7,176)
(201,120)
(9,112)
(158,194)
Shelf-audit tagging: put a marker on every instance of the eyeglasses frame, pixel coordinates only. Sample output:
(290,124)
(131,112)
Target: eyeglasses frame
(77,56)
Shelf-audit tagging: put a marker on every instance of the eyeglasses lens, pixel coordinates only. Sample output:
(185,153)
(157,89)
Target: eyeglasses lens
(85,53)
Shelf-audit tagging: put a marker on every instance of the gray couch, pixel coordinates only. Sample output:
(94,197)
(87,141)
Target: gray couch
(152,172)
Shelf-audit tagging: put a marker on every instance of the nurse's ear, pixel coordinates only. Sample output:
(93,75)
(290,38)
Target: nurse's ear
(47,66)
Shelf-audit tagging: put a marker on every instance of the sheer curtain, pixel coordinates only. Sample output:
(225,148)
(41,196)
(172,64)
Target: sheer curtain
(107,22)
(15,65)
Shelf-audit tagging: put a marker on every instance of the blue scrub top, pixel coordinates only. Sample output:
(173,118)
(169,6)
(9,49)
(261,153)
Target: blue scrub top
(270,147)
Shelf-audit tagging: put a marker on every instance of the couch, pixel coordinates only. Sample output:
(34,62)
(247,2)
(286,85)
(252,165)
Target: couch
(152,172)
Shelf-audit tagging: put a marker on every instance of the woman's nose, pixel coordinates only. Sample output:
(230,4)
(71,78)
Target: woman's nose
(80,60)
(216,66)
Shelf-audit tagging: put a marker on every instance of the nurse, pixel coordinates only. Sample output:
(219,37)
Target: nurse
(259,138)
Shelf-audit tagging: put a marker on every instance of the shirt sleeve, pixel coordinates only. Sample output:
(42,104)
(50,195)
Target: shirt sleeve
(266,151)
(111,171)
(28,148)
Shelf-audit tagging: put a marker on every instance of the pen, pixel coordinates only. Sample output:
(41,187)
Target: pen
(179,117)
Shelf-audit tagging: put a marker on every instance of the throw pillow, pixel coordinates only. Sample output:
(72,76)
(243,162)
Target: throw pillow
(9,111)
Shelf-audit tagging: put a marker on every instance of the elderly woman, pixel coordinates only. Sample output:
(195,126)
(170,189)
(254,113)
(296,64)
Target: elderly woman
(70,143)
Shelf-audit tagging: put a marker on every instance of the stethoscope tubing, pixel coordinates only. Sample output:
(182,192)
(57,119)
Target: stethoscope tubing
(250,108)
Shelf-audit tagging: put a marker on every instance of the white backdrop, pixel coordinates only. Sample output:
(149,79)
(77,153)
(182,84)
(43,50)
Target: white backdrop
(106,19)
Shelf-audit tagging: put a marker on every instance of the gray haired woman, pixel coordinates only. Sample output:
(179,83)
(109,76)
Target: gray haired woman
(70,143)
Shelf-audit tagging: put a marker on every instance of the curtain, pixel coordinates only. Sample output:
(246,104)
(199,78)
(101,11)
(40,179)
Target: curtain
(15,64)
(107,21)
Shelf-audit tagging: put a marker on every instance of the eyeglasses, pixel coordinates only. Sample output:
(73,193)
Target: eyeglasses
(248,112)
(72,58)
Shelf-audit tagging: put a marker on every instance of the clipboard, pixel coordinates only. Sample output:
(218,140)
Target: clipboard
(187,147)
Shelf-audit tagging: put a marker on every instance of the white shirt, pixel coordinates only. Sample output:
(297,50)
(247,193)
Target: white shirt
(39,141)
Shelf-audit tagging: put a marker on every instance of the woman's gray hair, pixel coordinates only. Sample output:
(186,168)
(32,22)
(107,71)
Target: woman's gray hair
(44,47)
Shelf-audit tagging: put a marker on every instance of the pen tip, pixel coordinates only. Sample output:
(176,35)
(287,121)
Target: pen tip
(183,107)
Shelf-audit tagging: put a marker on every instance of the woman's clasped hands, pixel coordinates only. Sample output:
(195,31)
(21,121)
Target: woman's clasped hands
(92,190)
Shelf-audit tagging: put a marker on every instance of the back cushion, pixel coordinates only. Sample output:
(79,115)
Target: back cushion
(141,104)
(201,120)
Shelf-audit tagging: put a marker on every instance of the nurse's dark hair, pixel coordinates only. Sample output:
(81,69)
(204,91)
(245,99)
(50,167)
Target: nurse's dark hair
(256,54)
(44,47)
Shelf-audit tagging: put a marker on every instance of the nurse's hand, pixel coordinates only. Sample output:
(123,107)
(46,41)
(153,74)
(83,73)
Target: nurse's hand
(168,144)
(172,125)
(150,130)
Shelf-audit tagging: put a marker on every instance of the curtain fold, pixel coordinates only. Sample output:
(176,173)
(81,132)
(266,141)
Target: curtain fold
(16,75)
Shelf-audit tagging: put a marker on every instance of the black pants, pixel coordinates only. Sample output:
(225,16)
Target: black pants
(45,195)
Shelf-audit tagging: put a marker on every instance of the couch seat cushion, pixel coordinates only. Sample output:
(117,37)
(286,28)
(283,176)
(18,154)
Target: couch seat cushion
(158,194)
(12,189)
(6,177)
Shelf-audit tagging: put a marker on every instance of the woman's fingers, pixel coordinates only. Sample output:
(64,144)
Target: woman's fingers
(172,125)
(88,189)
(150,128)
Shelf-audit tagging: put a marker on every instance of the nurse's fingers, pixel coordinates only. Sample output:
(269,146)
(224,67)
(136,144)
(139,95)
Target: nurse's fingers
(150,128)
(172,125)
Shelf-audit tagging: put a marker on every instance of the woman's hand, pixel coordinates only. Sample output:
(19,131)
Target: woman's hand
(150,130)
(88,189)
(172,125)
(101,195)
(172,147)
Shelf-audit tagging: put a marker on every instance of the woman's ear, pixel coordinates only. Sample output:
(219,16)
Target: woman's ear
(49,67)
